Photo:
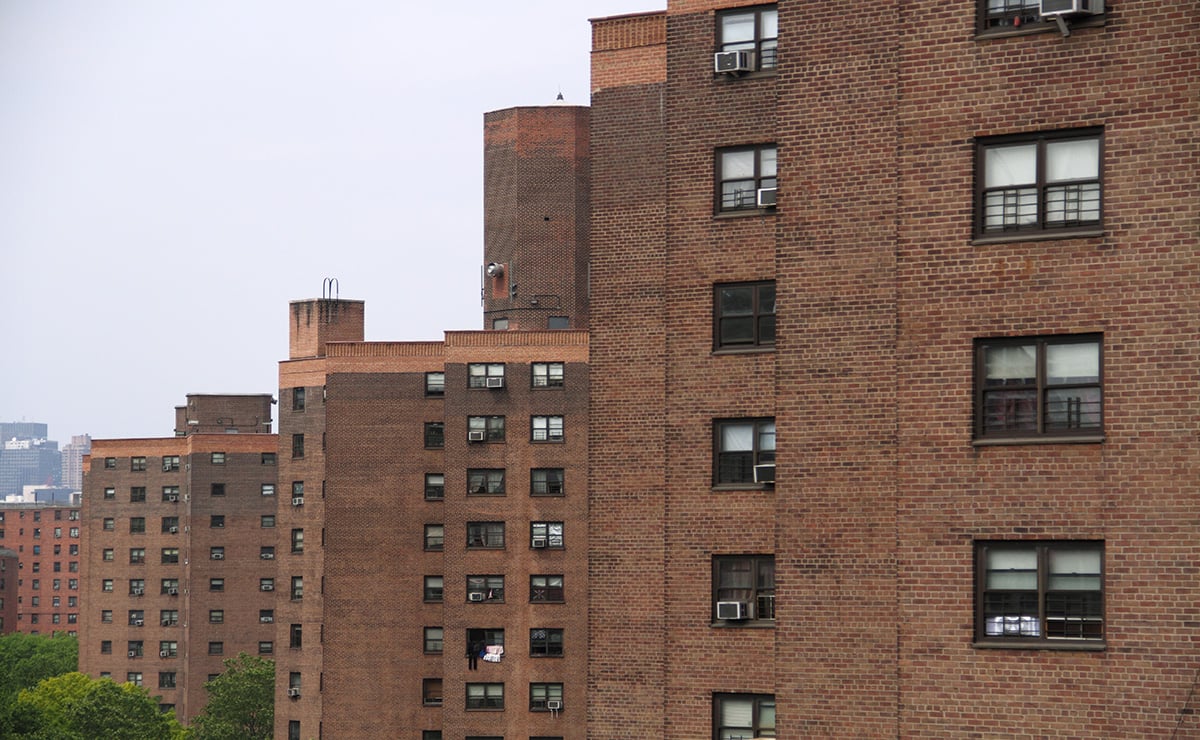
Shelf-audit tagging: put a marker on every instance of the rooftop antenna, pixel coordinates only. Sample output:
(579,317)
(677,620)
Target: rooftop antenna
(329,289)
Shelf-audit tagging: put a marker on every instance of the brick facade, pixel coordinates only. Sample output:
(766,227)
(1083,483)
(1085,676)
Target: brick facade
(43,584)
(884,491)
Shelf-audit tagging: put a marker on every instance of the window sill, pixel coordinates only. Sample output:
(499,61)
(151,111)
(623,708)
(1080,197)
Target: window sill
(1036,236)
(761,349)
(758,74)
(721,487)
(744,213)
(1091,646)
(1047,440)
(753,624)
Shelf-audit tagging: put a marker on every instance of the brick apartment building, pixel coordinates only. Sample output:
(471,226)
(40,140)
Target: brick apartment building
(438,488)
(179,538)
(45,589)
(936,265)
(8,590)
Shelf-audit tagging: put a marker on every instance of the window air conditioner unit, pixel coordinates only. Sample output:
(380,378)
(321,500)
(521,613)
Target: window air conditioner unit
(764,473)
(172,592)
(133,653)
(475,596)
(266,620)
(218,556)
(539,542)
(1052,8)
(173,530)
(297,501)
(554,704)
(166,623)
(732,62)
(267,587)
(766,197)
(294,692)
(173,497)
(268,556)
(137,591)
(474,436)
(731,610)
(494,382)
(138,622)
(163,654)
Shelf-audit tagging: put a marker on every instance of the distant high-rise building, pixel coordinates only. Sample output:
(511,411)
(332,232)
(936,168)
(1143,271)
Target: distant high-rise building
(72,460)
(27,458)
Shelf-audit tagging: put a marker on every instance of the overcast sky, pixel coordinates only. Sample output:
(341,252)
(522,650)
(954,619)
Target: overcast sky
(174,172)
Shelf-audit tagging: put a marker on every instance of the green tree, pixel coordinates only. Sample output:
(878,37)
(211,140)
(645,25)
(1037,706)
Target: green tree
(76,707)
(25,660)
(241,702)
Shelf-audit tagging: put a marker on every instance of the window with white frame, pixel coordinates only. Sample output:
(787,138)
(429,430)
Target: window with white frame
(485,375)
(547,374)
(546,534)
(546,428)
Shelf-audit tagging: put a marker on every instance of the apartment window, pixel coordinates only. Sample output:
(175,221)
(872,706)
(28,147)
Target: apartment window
(431,692)
(268,489)
(268,458)
(755,30)
(485,535)
(485,375)
(216,584)
(137,555)
(137,617)
(433,639)
(485,428)
(435,536)
(216,648)
(266,616)
(435,384)
(137,525)
(546,534)
(431,735)
(743,588)
(216,553)
(106,614)
(170,555)
(297,445)
(168,649)
(1031,592)
(266,647)
(542,696)
(740,445)
(743,716)
(546,482)
(267,521)
(109,524)
(545,642)
(547,374)
(298,490)
(169,586)
(216,616)
(106,647)
(293,729)
(485,696)
(72,549)
(73,584)
(485,588)
(435,486)
(266,584)
(110,463)
(166,679)
(137,464)
(546,588)
(297,399)
(108,554)
(296,636)
(558,323)
(170,463)
(485,482)
(135,648)
(266,552)
(110,493)
(499,324)
(218,489)
(170,494)
(435,435)
(217,458)
(1038,386)
(106,585)
(744,315)
(216,521)
(546,428)
(434,588)
(297,591)
(746,178)
(1040,183)
(168,617)
(134,677)
(297,540)
(170,525)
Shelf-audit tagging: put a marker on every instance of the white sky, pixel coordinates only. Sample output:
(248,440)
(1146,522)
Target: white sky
(173,172)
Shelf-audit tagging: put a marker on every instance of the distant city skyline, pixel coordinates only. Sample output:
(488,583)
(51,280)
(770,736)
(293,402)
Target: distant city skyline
(174,175)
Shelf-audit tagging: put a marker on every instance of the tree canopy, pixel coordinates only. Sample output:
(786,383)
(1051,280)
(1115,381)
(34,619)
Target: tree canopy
(26,660)
(241,702)
(74,706)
